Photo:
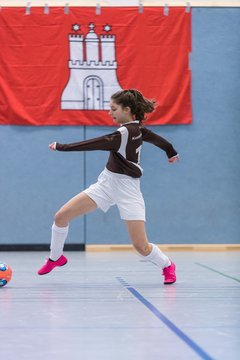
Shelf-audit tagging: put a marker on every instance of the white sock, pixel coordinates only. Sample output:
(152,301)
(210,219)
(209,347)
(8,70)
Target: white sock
(59,235)
(157,257)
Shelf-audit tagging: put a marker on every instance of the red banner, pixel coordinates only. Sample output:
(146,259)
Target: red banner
(61,69)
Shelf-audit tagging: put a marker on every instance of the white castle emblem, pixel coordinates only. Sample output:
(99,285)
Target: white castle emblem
(93,66)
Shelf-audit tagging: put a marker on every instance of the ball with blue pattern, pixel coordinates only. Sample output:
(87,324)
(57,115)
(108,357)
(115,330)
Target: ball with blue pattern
(5,274)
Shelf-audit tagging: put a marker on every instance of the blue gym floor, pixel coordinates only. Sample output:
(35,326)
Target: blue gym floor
(112,306)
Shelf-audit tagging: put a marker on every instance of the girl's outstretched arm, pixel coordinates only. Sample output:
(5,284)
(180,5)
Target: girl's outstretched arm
(152,138)
(110,142)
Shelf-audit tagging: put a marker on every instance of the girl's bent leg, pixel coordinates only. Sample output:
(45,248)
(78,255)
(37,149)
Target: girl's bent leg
(137,233)
(150,252)
(78,205)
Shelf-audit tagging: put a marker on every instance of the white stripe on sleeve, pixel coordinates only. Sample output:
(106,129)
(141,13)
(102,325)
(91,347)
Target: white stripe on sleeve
(124,139)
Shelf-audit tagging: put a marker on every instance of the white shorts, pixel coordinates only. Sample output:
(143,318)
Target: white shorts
(121,190)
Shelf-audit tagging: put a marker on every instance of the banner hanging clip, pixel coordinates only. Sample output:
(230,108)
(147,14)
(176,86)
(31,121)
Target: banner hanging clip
(28,9)
(188,7)
(98,9)
(66,9)
(140,7)
(166,10)
(46,9)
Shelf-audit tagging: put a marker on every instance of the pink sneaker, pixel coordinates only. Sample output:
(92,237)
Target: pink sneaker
(169,274)
(50,265)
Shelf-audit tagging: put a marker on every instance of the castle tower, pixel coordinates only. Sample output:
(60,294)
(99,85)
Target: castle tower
(76,47)
(92,41)
(91,82)
(108,48)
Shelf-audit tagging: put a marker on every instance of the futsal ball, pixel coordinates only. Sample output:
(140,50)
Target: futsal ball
(5,274)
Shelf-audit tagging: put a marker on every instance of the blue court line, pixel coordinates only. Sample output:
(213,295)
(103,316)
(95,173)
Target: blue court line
(218,272)
(166,321)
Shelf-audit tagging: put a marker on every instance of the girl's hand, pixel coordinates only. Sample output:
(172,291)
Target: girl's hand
(173,159)
(52,146)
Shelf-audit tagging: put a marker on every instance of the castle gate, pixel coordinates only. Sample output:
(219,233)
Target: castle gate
(93,93)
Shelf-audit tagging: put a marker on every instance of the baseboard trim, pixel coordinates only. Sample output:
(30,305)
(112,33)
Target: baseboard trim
(39,247)
(164,247)
(125,247)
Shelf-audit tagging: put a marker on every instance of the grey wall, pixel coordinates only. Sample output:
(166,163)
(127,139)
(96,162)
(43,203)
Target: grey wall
(194,201)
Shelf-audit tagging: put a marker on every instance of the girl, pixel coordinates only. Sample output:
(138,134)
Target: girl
(119,183)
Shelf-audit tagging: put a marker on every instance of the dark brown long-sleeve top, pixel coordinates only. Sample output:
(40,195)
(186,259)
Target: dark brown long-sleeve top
(124,146)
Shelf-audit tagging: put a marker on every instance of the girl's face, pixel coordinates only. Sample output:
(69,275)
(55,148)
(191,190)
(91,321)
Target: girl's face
(119,114)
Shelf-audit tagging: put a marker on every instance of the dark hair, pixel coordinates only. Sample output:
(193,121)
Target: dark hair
(134,99)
